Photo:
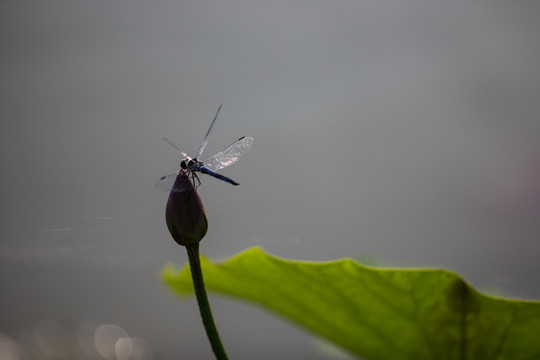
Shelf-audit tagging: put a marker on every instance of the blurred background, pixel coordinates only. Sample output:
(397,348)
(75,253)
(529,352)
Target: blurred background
(400,133)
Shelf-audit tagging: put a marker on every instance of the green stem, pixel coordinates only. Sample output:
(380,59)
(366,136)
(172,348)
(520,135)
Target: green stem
(204,305)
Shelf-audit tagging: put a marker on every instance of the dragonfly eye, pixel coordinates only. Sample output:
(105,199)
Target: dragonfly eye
(183,165)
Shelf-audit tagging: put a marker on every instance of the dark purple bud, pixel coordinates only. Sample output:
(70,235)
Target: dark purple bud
(185,214)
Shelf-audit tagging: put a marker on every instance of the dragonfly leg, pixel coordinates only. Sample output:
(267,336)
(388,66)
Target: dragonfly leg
(195,179)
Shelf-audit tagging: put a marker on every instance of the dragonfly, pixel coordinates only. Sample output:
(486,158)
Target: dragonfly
(192,166)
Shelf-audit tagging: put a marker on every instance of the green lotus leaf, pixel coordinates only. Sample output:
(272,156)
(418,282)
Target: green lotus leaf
(377,313)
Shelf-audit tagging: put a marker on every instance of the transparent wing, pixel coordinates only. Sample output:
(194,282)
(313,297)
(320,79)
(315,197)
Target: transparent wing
(166,183)
(230,155)
(176,147)
(205,141)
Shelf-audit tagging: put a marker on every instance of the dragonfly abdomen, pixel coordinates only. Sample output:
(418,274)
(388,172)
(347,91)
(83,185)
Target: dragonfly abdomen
(205,170)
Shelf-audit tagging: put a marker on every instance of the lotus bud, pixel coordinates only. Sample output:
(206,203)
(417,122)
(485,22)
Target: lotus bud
(185,214)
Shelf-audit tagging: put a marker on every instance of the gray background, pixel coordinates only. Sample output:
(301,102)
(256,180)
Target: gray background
(401,133)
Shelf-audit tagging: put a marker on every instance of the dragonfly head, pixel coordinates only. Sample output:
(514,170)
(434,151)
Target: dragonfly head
(187,164)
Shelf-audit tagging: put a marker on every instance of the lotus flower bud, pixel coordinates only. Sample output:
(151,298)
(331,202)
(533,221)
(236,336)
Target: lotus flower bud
(185,214)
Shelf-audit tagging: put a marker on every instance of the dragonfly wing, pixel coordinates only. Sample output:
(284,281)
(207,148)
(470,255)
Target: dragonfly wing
(205,141)
(166,183)
(176,147)
(230,155)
